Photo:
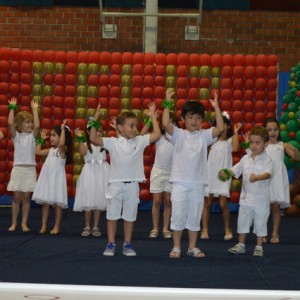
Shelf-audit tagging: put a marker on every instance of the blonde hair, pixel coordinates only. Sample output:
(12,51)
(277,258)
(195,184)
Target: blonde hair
(21,117)
(260,131)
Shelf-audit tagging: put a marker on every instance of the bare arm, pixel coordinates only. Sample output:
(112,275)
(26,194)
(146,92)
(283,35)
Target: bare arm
(82,146)
(36,119)
(216,131)
(291,151)
(93,132)
(156,133)
(11,118)
(264,176)
(38,150)
(167,125)
(235,138)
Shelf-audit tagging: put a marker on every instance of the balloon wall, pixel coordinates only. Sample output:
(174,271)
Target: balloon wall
(69,85)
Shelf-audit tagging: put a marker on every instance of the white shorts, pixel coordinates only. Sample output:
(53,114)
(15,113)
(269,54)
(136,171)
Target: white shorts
(122,201)
(256,215)
(22,179)
(159,181)
(187,205)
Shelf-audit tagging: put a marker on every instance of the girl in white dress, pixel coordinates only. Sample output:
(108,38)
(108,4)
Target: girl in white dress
(279,193)
(51,187)
(220,157)
(23,127)
(93,180)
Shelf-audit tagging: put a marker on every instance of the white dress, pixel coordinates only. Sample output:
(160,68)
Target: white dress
(220,157)
(279,189)
(51,187)
(92,182)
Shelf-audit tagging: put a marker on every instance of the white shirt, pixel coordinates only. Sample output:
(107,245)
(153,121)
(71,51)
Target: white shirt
(24,153)
(163,154)
(190,155)
(126,158)
(254,193)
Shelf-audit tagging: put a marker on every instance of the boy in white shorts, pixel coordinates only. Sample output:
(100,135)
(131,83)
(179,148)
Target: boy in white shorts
(189,169)
(127,170)
(256,168)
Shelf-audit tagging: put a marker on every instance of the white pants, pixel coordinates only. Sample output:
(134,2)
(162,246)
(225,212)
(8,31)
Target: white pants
(256,215)
(187,205)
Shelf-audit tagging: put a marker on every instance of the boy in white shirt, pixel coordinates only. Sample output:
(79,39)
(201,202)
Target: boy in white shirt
(127,170)
(256,168)
(189,169)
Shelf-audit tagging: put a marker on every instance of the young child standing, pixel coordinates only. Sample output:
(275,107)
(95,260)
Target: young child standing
(93,180)
(220,157)
(160,187)
(256,168)
(23,127)
(51,187)
(189,170)
(127,170)
(279,190)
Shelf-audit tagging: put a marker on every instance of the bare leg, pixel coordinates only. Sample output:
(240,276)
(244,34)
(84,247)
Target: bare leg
(128,230)
(15,207)
(177,234)
(205,216)
(167,211)
(88,215)
(259,241)
(276,217)
(111,230)
(25,210)
(193,237)
(242,238)
(97,214)
(58,216)
(157,199)
(45,214)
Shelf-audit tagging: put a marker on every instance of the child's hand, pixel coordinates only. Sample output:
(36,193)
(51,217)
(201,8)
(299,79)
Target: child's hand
(34,105)
(13,100)
(289,147)
(246,137)
(63,124)
(252,178)
(169,93)
(97,113)
(78,132)
(44,134)
(113,122)
(151,112)
(214,102)
(237,127)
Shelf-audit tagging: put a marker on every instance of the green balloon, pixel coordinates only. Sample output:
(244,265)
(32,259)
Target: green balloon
(284,117)
(205,71)
(216,72)
(93,68)
(37,90)
(292,92)
(194,71)
(292,125)
(126,70)
(289,163)
(293,107)
(48,90)
(170,70)
(82,90)
(37,78)
(284,134)
(297,137)
(287,98)
(215,83)
(82,80)
(295,144)
(92,91)
(126,80)
(81,102)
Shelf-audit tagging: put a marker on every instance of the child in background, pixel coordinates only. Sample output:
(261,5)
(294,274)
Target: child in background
(220,157)
(189,170)
(127,170)
(256,168)
(160,187)
(93,180)
(23,127)
(51,187)
(279,190)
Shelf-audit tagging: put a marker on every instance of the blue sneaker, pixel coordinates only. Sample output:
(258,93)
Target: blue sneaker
(128,250)
(110,249)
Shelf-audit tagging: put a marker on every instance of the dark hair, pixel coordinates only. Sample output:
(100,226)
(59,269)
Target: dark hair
(68,142)
(194,108)
(260,131)
(88,141)
(173,119)
(271,120)
(125,115)
(227,122)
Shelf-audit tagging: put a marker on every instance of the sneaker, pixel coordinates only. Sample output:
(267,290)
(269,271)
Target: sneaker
(258,252)
(110,249)
(237,249)
(128,250)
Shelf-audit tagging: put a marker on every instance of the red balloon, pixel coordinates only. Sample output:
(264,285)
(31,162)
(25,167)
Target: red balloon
(171,59)
(194,59)
(149,58)
(106,58)
(248,106)
(138,58)
(127,58)
(161,59)
(216,60)
(137,69)
(182,59)
(60,56)
(228,60)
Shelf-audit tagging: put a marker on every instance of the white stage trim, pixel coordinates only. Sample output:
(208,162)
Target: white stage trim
(21,291)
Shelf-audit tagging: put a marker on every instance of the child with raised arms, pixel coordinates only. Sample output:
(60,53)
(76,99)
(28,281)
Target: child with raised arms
(220,157)
(189,169)
(51,187)
(127,170)
(93,180)
(256,167)
(23,127)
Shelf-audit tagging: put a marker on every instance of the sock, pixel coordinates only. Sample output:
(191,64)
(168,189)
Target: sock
(243,245)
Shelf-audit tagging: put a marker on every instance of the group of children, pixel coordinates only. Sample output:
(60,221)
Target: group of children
(185,176)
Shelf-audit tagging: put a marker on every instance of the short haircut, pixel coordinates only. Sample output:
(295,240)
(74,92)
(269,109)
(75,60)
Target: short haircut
(21,117)
(194,108)
(125,115)
(260,131)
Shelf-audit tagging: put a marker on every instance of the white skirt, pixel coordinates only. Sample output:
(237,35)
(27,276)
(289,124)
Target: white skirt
(22,179)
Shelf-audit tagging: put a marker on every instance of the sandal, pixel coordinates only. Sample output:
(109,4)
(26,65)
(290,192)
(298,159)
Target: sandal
(195,252)
(175,253)
(274,239)
(96,232)
(167,234)
(86,231)
(265,239)
(204,234)
(153,234)
(43,230)
(55,231)
(25,228)
(228,235)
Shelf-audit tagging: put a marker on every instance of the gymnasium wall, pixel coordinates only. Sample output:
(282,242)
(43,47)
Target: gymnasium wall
(222,31)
